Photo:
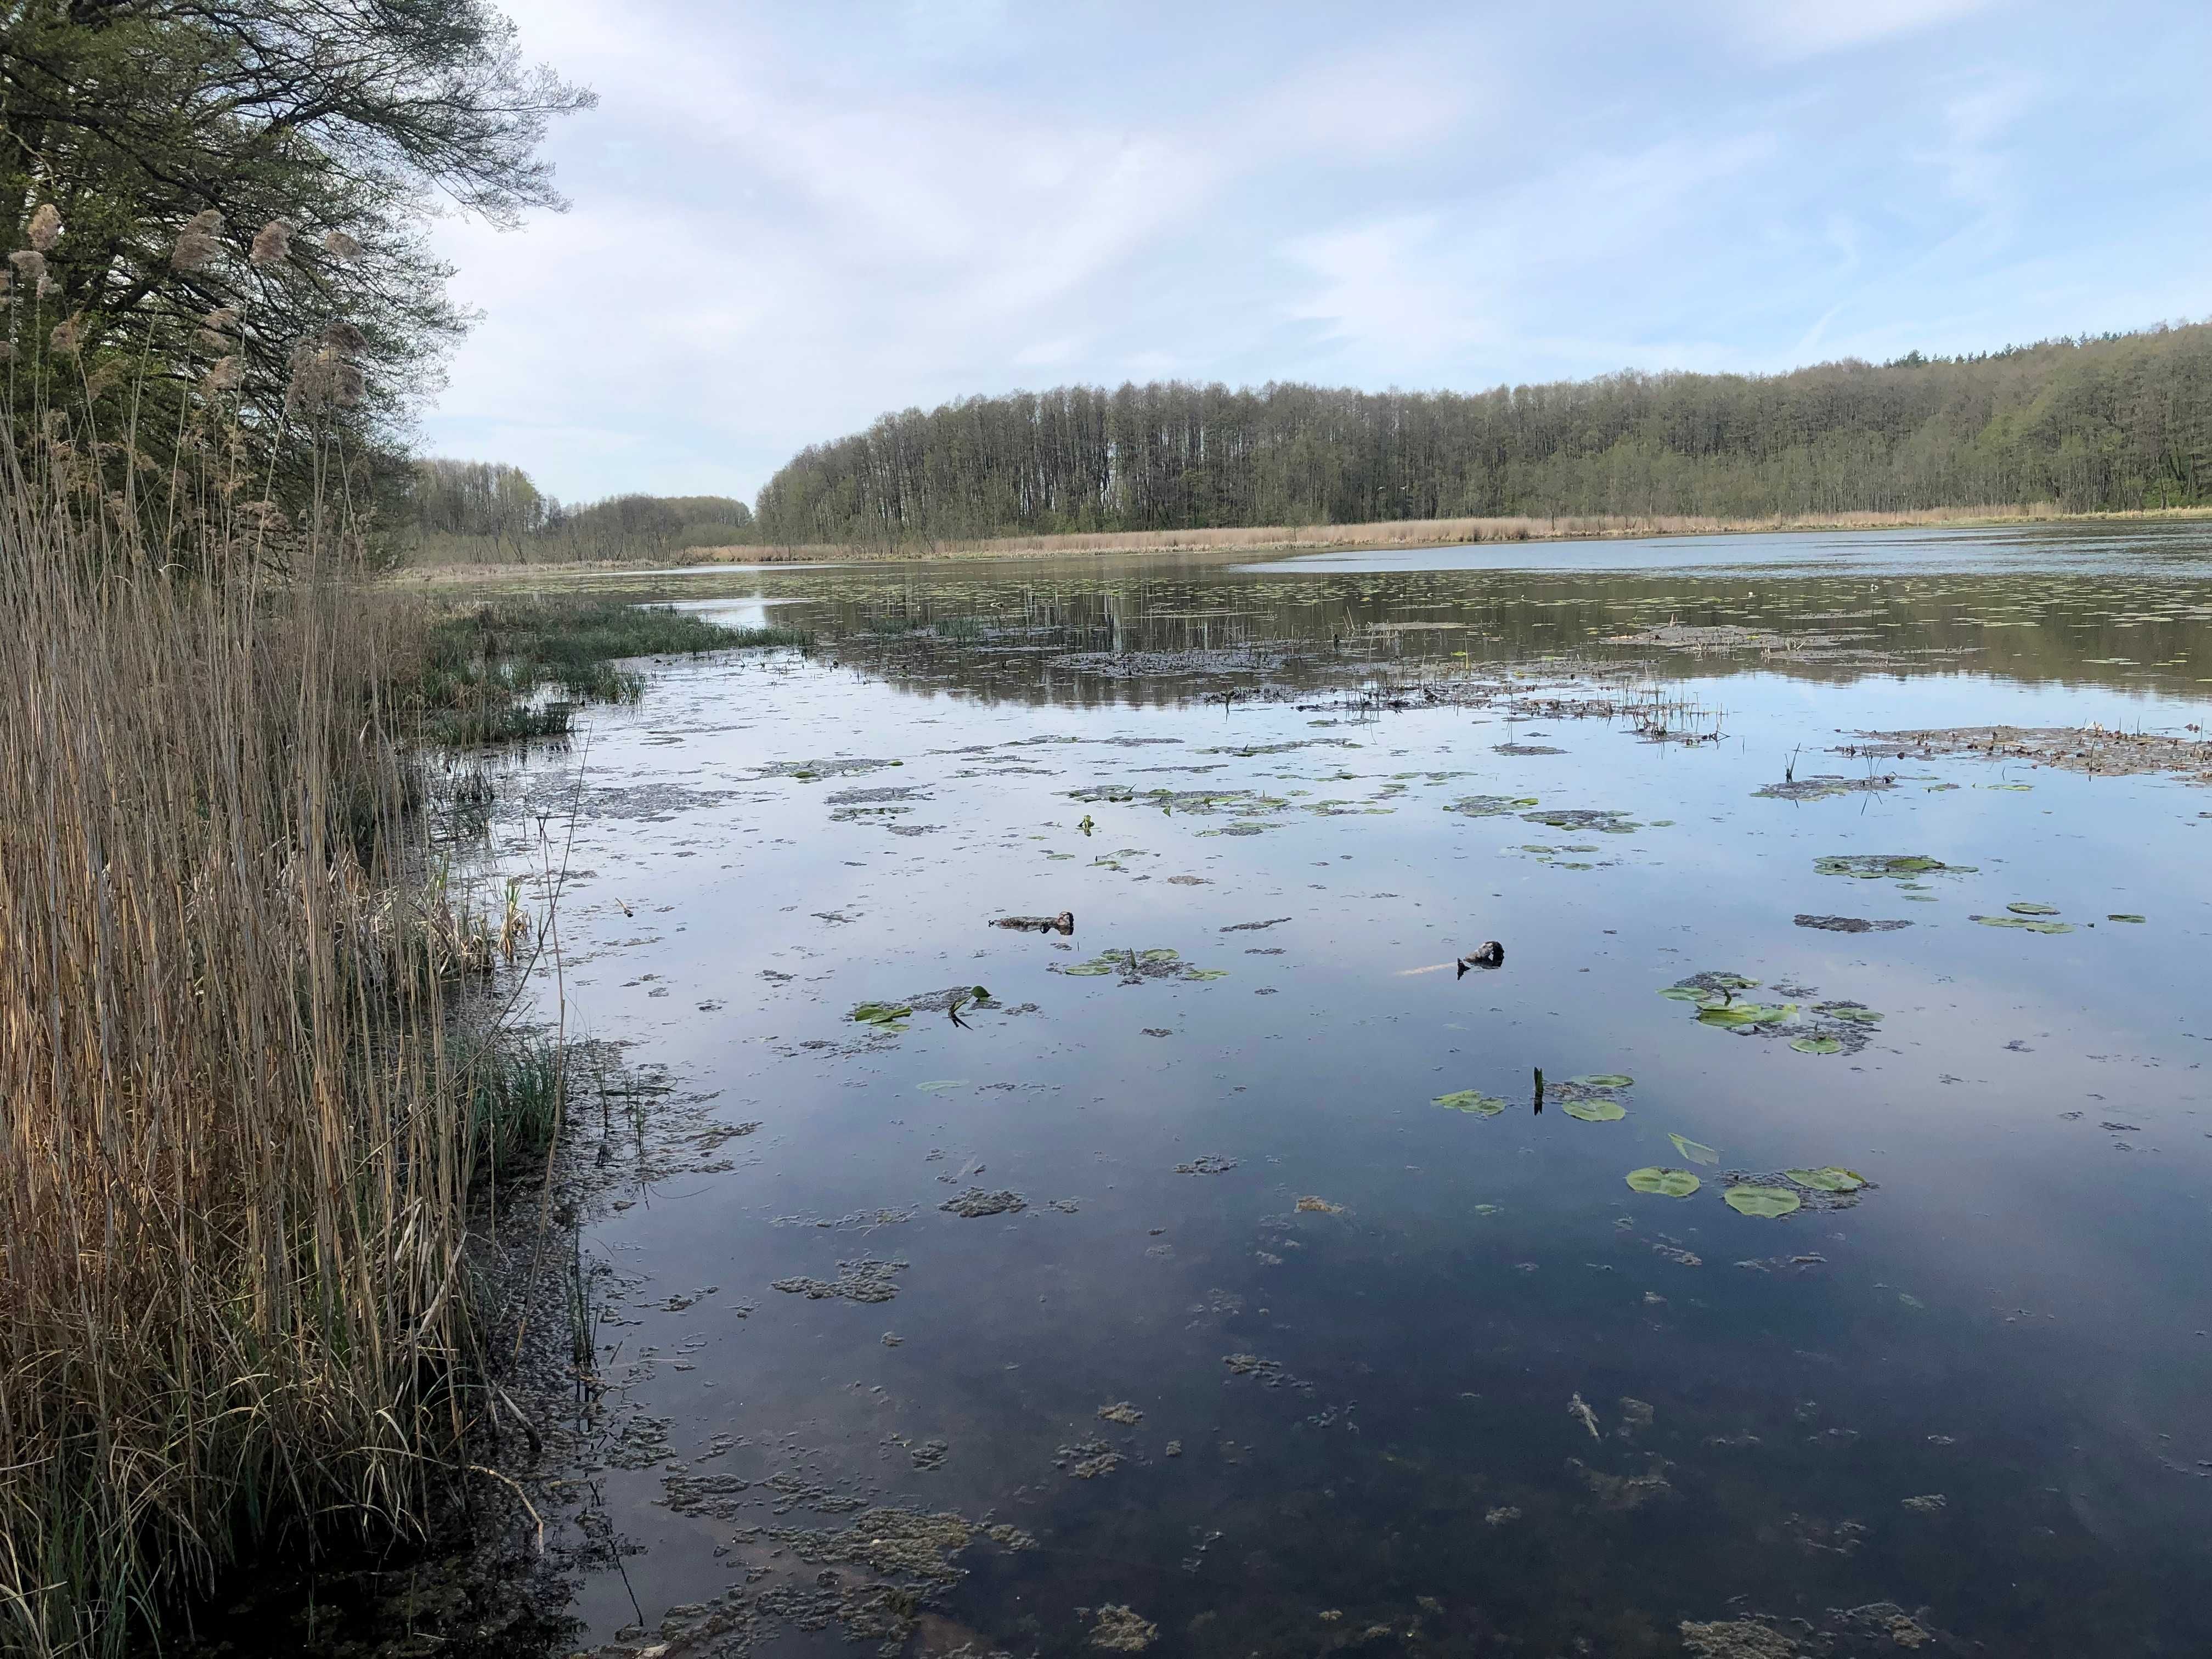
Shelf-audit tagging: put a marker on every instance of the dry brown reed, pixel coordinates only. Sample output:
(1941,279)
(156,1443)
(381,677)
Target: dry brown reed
(235,1159)
(1396,532)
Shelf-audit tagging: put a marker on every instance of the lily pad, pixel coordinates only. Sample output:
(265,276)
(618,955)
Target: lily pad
(1816,1045)
(1708,987)
(1857,1013)
(2025,924)
(1607,820)
(1596,1111)
(1895,866)
(1604,1080)
(1768,1201)
(1737,1014)
(2025,908)
(1696,1151)
(1831,1178)
(1667,1183)
(883,1016)
(2117,917)
(1133,966)
(1471,1100)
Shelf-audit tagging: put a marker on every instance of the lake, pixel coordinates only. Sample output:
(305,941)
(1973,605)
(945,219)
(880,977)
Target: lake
(1234,1273)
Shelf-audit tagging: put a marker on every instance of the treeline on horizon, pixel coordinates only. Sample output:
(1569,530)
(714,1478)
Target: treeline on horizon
(490,510)
(2117,423)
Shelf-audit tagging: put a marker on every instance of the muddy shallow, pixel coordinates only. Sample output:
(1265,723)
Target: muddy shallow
(1163,1290)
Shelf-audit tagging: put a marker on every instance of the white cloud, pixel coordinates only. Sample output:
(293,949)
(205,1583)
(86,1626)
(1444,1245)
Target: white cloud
(789,220)
(1806,28)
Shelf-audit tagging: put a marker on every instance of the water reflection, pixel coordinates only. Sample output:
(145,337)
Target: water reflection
(1238,1335)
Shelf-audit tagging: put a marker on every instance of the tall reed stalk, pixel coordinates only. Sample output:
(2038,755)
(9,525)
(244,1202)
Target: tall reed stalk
(235,1160)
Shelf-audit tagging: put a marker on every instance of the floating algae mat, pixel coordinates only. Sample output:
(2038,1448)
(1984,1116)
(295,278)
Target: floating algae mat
(1227,1293)
(1897,866)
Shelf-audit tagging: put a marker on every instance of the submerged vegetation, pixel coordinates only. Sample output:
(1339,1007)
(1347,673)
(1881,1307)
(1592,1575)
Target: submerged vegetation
(514,668)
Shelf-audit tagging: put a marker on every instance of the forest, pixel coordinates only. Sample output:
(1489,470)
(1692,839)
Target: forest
(2118,421)
(491,512)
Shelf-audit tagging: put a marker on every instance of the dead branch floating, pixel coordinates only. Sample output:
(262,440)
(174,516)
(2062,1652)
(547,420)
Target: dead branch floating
(2096,751)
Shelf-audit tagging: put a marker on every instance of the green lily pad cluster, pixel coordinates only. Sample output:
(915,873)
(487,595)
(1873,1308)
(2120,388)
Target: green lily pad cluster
(1135,966)
(2027,917)
(1825,1028)
(1473,1102)
(1241,802)
(1605,821)
(1594,1097)
(1491,807)
(1769,1198)
(1894,866)
(883,1016)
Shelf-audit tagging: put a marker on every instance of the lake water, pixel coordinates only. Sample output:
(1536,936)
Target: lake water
(1270,1315)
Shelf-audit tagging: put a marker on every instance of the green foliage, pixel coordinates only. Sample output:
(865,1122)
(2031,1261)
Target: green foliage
(2121,422)
(480,512)
(489,674)
(240,186)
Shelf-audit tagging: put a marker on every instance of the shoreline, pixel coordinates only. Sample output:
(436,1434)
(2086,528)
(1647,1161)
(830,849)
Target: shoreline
(1278,539)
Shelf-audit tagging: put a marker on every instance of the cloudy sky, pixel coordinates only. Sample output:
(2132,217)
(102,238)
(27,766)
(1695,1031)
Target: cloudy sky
(791,217)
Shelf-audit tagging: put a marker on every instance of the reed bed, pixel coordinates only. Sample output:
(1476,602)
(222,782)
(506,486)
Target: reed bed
(236,1186)
(1392,532)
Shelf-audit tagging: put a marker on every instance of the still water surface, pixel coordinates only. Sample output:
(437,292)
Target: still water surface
(1277,1354)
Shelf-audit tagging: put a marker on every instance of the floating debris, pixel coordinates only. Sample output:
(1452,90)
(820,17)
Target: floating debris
(976,1202)
(1823,787)
(1932,1503)
(1121,1412)
(1622,1492)
(1850,925)
(2095,750)
(1062,923)
(1892,866)
(1116,1629)
(1736,1638)
(866,1280)
(1583,1414)
(1310,1204)
(1135,966)
(1270,1372)
(1492,806)
(1207,1165)
(1604,821)
(1086,1460)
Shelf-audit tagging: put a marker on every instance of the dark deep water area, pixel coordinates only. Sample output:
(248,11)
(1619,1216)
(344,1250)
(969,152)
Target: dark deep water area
(1214,1286)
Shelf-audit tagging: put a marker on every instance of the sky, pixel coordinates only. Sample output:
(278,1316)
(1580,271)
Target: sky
(787,219)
